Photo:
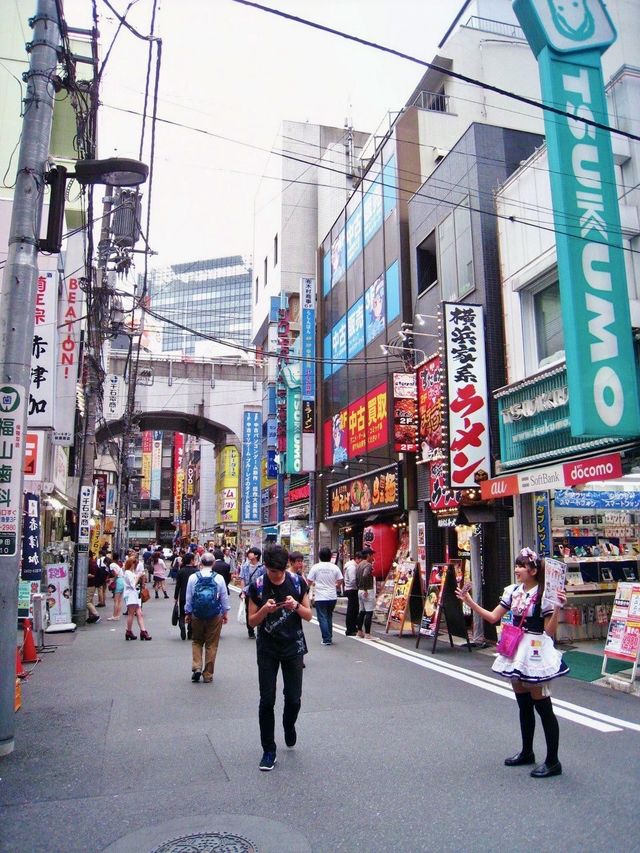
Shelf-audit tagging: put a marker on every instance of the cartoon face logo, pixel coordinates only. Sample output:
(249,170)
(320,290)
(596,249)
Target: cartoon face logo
(572,18)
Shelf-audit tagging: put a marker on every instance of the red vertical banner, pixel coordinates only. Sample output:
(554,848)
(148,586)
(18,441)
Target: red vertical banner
(429,378)
(147,449)
(405,412)
(178,474)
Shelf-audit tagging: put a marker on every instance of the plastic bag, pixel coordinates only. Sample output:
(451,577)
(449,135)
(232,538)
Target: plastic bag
(242,613)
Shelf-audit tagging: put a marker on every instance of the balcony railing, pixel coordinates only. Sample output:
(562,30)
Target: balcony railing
(436,102)
(499,28)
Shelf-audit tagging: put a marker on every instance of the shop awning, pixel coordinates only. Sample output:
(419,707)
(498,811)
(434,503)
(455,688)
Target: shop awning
(475,515)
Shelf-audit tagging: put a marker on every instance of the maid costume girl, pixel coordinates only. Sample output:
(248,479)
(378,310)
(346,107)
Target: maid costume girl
(536,659)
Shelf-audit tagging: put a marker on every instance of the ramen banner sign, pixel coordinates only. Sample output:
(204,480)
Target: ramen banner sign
(377,490)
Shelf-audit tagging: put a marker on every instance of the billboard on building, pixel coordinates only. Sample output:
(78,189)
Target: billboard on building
(251,447)
(147,450)
(156,465)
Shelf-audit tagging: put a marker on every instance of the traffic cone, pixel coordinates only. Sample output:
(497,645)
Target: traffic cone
(17,701)
(20,672)
(29,654)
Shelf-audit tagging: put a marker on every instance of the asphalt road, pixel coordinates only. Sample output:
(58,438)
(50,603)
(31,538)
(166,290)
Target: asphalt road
(117,749)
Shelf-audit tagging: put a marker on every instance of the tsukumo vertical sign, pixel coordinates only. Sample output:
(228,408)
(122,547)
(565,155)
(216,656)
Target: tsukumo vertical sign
(469,455)
(568,40)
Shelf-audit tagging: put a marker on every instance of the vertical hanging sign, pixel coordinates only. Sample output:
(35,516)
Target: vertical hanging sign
(70,313)
(308,381)
(147,449)
(42,390)
(469,456)
(84,518)
(251,440)
(31,569)
(12,413)
(568,40)
(156,465)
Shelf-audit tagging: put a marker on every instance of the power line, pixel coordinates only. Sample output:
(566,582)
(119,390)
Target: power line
(432,66)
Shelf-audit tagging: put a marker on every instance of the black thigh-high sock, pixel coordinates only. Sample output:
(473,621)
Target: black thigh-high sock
(550,726)
(527,721)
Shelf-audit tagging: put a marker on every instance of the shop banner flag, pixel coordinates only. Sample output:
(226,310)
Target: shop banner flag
(568,41)
(31,567)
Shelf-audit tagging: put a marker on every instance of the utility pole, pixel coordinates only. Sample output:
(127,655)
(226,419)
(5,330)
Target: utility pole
(97,322)
(17,301)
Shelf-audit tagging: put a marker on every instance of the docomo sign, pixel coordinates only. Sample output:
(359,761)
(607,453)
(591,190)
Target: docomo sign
(568,40)
(553,477)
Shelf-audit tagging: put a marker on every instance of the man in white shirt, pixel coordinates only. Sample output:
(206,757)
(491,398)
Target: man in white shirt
(351,591)
(206,613)
(326,577)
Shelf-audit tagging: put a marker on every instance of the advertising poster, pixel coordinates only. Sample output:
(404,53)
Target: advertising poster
(555,573)
(469,451)
(405,412)
(374,310)
(251,440)
(26,589)
(376,490)
(433,601)
(228,479)
(623,636)
(383,601)
(399,610)
(42,389)
(429,382)
(31,566)
(368,422)
(178,474)
(70,311)
(147,451)
(308,335)
(58,593)
(355,328)
(156,465)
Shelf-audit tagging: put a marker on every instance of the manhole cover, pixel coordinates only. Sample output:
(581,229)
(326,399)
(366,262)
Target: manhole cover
(208,842)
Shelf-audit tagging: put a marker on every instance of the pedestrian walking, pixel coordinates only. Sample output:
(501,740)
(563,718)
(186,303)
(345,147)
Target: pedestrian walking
(251,570)
(100,579)
(92,571)
(184,573)
(326,579)
(534,663)
(132,577)
(351,591)
(366,586)
(206,608)
(221,567)
(159,568)
(278,601)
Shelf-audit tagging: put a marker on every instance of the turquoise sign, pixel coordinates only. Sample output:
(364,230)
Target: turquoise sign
(568,39)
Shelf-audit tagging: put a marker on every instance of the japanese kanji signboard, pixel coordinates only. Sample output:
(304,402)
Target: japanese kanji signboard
(43,352)
(12,412)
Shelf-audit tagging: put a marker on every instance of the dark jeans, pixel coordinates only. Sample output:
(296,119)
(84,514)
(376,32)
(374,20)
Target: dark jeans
(352,611)
(267,677)
(324,612)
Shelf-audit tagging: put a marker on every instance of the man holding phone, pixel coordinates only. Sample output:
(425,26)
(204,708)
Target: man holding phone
(278,601)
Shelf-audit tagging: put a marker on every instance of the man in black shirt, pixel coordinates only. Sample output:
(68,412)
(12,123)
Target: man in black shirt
(221,567)
(184,573)
(278,601)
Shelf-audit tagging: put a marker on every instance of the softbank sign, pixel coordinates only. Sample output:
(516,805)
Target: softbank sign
(568,40)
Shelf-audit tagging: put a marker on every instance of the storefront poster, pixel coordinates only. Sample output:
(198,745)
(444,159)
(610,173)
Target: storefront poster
(355,328)
(374,491)
(375,310)
(383,601)
(623,637)
(398,611)
(26,590)
(368,422)
(468,408)
(147,465)
(31,566)
(58,593)
(429,381)
(433,601)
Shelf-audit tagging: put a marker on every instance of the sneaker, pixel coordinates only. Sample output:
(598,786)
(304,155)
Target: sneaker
(92,619)
(268,761)
(290,736)
(327,643)
(195,675)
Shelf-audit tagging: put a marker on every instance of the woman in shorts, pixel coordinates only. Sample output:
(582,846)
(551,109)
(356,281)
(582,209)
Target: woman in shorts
(159,568)
(132,578)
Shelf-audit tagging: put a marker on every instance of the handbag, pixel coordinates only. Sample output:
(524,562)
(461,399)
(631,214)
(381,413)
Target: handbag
(175,614)
(145,595)
(112,585)
(511,635)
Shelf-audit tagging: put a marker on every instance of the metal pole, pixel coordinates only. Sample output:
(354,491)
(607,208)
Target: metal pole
(96,322)
(18,302)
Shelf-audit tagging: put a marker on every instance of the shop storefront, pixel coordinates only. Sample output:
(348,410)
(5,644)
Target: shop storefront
(575,500)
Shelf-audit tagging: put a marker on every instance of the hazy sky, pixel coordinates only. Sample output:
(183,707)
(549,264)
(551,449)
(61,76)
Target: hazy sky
(237,72)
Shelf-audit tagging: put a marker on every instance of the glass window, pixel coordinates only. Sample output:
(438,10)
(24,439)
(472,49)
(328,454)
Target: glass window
(456,254)
(548,323)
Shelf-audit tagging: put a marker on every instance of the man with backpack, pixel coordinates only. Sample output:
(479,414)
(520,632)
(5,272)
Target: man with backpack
(206,607)
(278,601)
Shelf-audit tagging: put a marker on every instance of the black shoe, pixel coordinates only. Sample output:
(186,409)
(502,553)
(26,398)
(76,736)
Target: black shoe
(195,676)
(544,770)
(290,736)
(252,635)
(157,596)
(183,634)
(92,619)
(520,758)
(268,761)
(350,633)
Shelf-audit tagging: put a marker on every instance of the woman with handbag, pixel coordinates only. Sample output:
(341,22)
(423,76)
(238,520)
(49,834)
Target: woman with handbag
(528,657)
(132,577)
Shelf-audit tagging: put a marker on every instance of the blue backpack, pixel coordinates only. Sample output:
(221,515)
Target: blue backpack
(205,603)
